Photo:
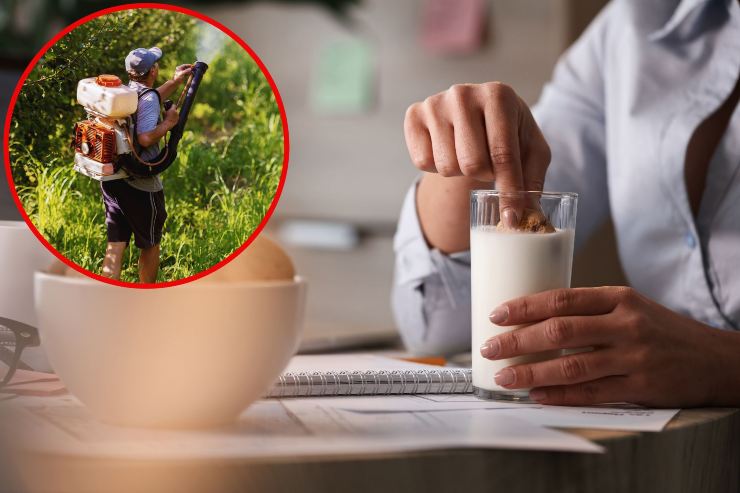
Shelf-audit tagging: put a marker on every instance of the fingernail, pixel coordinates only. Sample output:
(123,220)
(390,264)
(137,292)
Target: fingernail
(490,348)
(504,377)
(537,395)
(510,218)
(499,315)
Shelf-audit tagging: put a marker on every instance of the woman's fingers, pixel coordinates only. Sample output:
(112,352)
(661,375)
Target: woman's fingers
(565,370)
(482,131)
(418,140)
(470,135)
(442,134)
(558,303)
(501,114)
(552,334)
(475,130)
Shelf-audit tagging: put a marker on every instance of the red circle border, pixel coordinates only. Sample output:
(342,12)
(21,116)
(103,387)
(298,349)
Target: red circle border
(233,36)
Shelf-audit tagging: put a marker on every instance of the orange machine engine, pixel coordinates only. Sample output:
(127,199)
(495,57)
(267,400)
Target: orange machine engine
(95,141)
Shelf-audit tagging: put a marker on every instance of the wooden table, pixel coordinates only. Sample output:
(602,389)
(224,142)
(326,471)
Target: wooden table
(698,452)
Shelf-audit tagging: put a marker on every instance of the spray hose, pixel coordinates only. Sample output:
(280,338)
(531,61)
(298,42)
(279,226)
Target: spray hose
(182,93)
(141,159)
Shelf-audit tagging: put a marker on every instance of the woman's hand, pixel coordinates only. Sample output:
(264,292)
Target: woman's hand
(641,351)
(480,131)
(465,138)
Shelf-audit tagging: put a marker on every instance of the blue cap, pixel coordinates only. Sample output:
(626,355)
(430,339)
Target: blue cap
(142,60)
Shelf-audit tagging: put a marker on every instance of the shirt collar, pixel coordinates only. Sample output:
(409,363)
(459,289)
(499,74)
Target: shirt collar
(682,11)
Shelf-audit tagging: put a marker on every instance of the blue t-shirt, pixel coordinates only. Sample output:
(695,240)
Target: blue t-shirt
(147,118)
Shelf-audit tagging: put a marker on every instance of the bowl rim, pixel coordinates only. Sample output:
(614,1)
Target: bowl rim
(204,283)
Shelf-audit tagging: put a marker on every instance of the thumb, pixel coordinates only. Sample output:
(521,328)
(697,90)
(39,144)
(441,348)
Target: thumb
(536,158)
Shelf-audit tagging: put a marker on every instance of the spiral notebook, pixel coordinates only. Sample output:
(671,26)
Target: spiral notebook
(367,374)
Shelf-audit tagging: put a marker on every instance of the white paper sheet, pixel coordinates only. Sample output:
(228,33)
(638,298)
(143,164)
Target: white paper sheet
(625,418)
(270,429)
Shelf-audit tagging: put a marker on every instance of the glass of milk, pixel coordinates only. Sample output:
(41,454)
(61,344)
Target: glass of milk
(509,261)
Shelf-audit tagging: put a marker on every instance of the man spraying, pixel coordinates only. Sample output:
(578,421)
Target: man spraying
(136,205)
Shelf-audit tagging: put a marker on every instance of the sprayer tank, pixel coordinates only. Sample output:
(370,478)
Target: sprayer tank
(107,96)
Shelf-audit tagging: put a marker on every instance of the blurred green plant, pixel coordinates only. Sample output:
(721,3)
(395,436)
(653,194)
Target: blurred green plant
(229,159)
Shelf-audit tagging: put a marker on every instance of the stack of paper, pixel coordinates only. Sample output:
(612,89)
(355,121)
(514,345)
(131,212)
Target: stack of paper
(273,428)
(323,426)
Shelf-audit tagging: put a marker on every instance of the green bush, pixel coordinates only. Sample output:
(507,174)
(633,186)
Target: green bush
(229,160)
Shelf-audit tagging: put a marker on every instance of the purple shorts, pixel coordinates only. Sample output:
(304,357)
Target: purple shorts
(130,210)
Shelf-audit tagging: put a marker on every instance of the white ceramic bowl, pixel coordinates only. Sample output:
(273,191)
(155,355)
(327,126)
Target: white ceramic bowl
(184,356)
(21,254)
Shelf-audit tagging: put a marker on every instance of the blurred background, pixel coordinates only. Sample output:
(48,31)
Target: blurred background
(347,70)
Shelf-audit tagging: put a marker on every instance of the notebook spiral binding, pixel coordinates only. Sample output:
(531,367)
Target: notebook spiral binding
(317,384)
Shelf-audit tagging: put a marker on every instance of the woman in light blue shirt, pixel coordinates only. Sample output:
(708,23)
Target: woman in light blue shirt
(641,120)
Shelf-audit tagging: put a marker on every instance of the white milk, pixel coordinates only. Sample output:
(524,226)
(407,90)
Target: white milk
(506,265)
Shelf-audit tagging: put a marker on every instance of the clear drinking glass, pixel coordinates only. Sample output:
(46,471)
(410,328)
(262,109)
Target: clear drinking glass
(511,260)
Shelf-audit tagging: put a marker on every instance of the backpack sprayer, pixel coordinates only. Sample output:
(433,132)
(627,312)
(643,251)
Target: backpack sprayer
(105,143)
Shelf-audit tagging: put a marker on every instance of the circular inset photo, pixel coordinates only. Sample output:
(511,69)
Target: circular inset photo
(146,146)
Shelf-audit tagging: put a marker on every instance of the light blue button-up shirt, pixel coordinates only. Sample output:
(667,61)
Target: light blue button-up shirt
(618,114)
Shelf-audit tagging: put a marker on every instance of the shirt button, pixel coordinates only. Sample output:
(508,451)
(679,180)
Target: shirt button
(690,240)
